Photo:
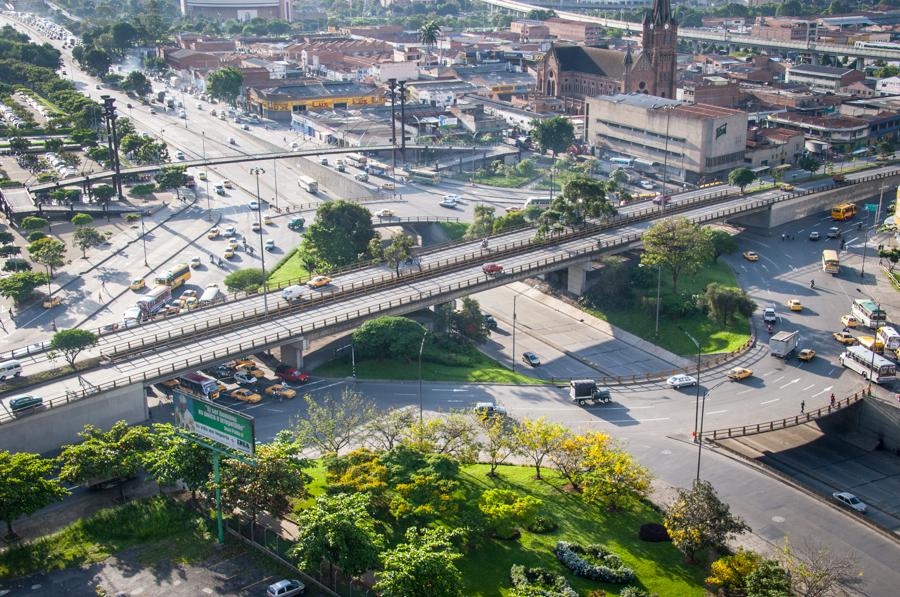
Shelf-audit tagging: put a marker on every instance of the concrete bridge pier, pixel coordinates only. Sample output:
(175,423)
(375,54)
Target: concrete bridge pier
(577,277)
(291,354)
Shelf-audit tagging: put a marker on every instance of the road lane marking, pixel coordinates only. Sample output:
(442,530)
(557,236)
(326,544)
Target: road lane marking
(337,383)
(405,394)
(790,383)
(625,420)
(768,374)
(823,391)
(747,391)
(777,380)
(809,387)
(770,401)
(442,390)
(716,412)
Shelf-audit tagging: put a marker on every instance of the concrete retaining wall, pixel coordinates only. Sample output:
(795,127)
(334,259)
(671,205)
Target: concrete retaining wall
(47,430)
(877,419)
(338,185)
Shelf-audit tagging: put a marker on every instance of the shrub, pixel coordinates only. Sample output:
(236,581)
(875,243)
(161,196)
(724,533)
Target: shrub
(35,235)
(505,510)
(597,593)
(142,189)
(594,562)
(653,532)
(16,264)
(540,582)
(633,592)
(543,524)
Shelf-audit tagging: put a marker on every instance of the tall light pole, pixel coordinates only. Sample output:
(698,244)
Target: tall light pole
(697,399)
(421,348)
(658,285)
(262,253)
(206,176)
(144,240)
(706,394)
(515,296)
(874,339)
(275,174)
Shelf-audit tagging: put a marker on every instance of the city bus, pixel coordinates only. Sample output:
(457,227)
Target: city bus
(868,312)
(357,160)
(831,263)
(889,337)
(200,384)
(426,176)
(175,277)
(868,364)
(308,184)
(844,211)
(376,168)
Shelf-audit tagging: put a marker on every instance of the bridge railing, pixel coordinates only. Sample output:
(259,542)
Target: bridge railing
(800,419)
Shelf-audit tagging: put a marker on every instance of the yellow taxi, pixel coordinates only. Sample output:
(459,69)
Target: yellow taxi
(319,281)
(228,253)
(250,368)
(227,184)
(190,302)
(202,175)
(785,186)
(233,243)
(513,209)
(848,321)
(807,354)
(751,256)
(245,395)
(242,363)
(267,220)
(214,232)
(137,284)
(795,305)
(280,390)
(51,302)
(845,338)
(389,186)
(739,373)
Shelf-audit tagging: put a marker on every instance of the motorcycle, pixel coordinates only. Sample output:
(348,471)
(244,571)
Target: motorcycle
(769,328)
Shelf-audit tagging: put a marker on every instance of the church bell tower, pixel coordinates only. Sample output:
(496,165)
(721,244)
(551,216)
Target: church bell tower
(660,41)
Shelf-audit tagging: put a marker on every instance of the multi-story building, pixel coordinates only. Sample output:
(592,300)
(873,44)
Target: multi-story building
(826,133)
(278,103)
(770,147)
(695,143)
(441,93)
(823,78)
(785,29)
(578,31)
(530,29)
(242,10)
(714,91)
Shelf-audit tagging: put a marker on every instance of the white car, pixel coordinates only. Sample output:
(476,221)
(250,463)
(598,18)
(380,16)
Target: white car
(244,378)
(179,155)
(229,231)
(292,293)
(646,184)
(850,500)
(681,381)
(445,202)
(254,205)
(454,199)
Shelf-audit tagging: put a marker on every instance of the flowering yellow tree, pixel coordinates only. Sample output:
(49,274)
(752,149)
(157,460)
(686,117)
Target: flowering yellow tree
(537,438)
(570,455)
(613,478)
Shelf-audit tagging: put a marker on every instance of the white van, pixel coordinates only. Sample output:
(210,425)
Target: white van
(541,202)
(292,293)
(10,369)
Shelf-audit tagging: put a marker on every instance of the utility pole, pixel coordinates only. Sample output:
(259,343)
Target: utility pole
(109,108)
(402,87)
(392,88)
(262,253)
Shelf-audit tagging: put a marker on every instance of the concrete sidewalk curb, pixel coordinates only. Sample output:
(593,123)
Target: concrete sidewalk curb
(800,486)
(449,383)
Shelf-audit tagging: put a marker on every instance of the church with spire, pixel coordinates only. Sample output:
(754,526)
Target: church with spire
(578,72)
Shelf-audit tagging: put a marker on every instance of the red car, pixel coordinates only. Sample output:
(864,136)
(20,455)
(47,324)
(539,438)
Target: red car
(662,199)
(492,269)
(285,373)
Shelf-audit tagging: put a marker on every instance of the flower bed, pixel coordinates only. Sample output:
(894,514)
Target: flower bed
(594,562)
(539,582)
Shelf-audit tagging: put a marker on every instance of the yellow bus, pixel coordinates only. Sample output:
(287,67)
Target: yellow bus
(831,263)
(174,277)
(844,211)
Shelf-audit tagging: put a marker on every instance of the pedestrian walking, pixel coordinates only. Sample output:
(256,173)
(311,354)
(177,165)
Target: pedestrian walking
(832,399)
(803,406)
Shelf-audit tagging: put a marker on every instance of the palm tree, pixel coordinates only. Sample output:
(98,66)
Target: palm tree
(429,34)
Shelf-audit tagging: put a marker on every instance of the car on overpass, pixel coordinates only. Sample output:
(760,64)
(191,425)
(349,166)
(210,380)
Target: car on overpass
(492,269)
(319,282)
(25,404)
(385,213)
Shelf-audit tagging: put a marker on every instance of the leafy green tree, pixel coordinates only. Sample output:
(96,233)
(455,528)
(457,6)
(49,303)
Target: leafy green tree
(155,64)
(429,33)
(886,148)
(271,484)
(71,342)
(80,219)
(423,566)
(124,35)
(536,439)
(225,83)
(137,83)
(27,486)
(554,134)
(245,280)
(9,250)
(88,237)
(454,435)
(509,222)
(769,579)
(790,8)
(174,458)
(698,519)
(340,234)
(398,251)
(540,14)
(469,322)
(587,198)
(721,242)
(724,301)
(105,455)
(20,286)
(809,163)
(677,244)
(15,264)
(50,253)
(96,61)
(482,222)
(505,511)
(499,434)
(32,223)
(741,177)
(330,423)
(388,337)
(171,177)
(6,238)
(340,529)
(19,145)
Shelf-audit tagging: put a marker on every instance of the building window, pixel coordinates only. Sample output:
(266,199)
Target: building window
(642,85)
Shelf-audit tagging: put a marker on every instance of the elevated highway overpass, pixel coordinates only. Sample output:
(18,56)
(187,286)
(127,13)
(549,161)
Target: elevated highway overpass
(164,349)
(711,36)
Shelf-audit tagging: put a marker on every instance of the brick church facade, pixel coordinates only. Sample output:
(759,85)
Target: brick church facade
(578,72)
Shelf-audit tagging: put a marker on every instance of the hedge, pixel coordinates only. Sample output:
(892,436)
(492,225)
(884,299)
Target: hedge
(142,189)
(539,582)
(594,562)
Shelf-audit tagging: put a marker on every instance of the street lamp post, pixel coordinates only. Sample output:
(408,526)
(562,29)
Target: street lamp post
(421,348)
(874,339)
(515,296)
(862,270)
(658,286)
(275,174)
(697,399)
(262,253)
(206,176)
(706,394)
(144,240)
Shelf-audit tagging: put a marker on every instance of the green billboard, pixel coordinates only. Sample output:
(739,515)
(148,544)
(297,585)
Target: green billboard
(217,423)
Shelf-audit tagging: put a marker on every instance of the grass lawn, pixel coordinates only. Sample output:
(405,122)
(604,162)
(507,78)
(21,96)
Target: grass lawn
(495,180)
(710,335)
(291,270)
(163,527)
(658,566)
(484,369)
(454,230)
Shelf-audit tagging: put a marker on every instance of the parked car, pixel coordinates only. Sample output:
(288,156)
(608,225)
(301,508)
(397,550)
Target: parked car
(529,358)
(850,500)
(681,381)
(286,588)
